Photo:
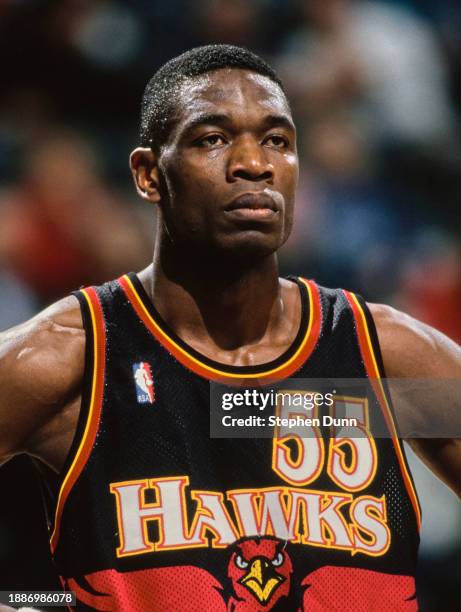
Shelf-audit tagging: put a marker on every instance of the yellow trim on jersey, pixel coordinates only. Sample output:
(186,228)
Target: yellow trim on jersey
(89,422)
(402,461)
(221,372)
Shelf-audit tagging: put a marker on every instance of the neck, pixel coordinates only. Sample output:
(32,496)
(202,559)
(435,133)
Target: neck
(213,300)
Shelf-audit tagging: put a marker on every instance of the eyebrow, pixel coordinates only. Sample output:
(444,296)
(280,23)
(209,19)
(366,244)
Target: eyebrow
(270,121)
(279,121)
(208,119)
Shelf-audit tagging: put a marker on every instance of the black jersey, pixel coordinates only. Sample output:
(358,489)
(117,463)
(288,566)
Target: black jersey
(153,514)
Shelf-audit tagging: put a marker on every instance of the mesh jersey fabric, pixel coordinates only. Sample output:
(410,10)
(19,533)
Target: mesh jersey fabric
(136,467)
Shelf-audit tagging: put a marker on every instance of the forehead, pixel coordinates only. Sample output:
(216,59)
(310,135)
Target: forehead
(230,90)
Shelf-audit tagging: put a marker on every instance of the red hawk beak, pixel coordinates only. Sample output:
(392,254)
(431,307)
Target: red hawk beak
(262,580)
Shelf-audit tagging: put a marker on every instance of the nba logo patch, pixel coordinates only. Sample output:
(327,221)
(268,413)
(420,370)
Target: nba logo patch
(144,383)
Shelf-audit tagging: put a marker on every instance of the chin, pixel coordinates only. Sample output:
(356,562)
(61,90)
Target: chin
(251,246)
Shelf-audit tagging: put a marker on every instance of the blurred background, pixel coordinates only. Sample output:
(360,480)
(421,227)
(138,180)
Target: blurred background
(376,93)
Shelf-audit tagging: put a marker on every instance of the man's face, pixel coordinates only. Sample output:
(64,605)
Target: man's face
(229,168)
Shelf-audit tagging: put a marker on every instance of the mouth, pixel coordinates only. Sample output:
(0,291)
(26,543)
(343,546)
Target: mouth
(256,205)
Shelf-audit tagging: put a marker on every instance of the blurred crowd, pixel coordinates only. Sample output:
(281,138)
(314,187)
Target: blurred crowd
(376,92)
(375,88)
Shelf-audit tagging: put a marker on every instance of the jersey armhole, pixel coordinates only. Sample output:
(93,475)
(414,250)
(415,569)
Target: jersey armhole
(370,322)
(91,404)
(87,383)
(371,353)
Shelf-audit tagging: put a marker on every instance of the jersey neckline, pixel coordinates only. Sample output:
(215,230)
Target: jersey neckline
(280,367)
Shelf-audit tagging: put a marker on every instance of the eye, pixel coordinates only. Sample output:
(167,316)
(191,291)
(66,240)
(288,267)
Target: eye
(240,562)
(211,140)
(278,560)
(276,141)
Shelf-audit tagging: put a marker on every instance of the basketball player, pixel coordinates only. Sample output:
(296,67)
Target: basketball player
(110,387)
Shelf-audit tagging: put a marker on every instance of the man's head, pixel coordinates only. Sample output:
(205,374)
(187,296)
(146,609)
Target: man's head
(218,152)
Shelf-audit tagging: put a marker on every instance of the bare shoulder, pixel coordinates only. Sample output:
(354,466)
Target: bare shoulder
(411,348)
(42,347)
(41,369)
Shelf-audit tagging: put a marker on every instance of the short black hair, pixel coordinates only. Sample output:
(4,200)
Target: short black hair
(162,89)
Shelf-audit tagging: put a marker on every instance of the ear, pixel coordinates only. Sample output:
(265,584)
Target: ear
(144,168)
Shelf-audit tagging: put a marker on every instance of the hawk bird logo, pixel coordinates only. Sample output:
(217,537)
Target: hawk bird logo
(260,571)
(260,574)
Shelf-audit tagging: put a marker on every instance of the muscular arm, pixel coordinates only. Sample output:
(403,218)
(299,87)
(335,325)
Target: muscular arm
(412,349)
(41,369)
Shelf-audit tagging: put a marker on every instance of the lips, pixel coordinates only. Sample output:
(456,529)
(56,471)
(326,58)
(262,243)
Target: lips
(252,201)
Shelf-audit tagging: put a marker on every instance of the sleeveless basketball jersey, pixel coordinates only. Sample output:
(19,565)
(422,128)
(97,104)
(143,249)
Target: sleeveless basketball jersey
(154,514)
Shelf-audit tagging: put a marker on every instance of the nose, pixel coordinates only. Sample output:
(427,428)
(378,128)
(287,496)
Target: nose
(248,161)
